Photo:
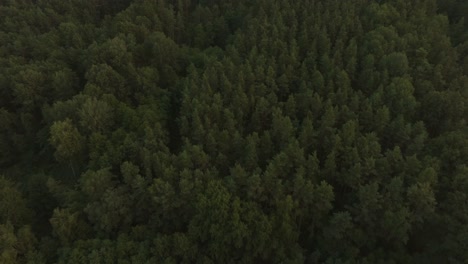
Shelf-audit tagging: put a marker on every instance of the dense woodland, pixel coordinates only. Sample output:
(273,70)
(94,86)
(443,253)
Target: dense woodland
(235,131)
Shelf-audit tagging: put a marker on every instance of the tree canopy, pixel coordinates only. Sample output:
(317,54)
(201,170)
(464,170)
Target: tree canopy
(282,131)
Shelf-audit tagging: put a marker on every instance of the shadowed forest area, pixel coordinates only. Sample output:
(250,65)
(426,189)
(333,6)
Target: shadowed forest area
(235,131)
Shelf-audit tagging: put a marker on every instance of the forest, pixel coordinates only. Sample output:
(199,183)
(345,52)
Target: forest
(234,131)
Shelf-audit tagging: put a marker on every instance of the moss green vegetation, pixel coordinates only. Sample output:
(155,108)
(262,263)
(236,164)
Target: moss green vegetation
(236,131)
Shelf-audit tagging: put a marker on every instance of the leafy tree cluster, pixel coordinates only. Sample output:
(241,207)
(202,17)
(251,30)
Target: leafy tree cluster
(306,131)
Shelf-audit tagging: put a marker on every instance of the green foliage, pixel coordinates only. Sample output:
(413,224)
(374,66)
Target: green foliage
(233,131)
(66,139)
(13,207)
